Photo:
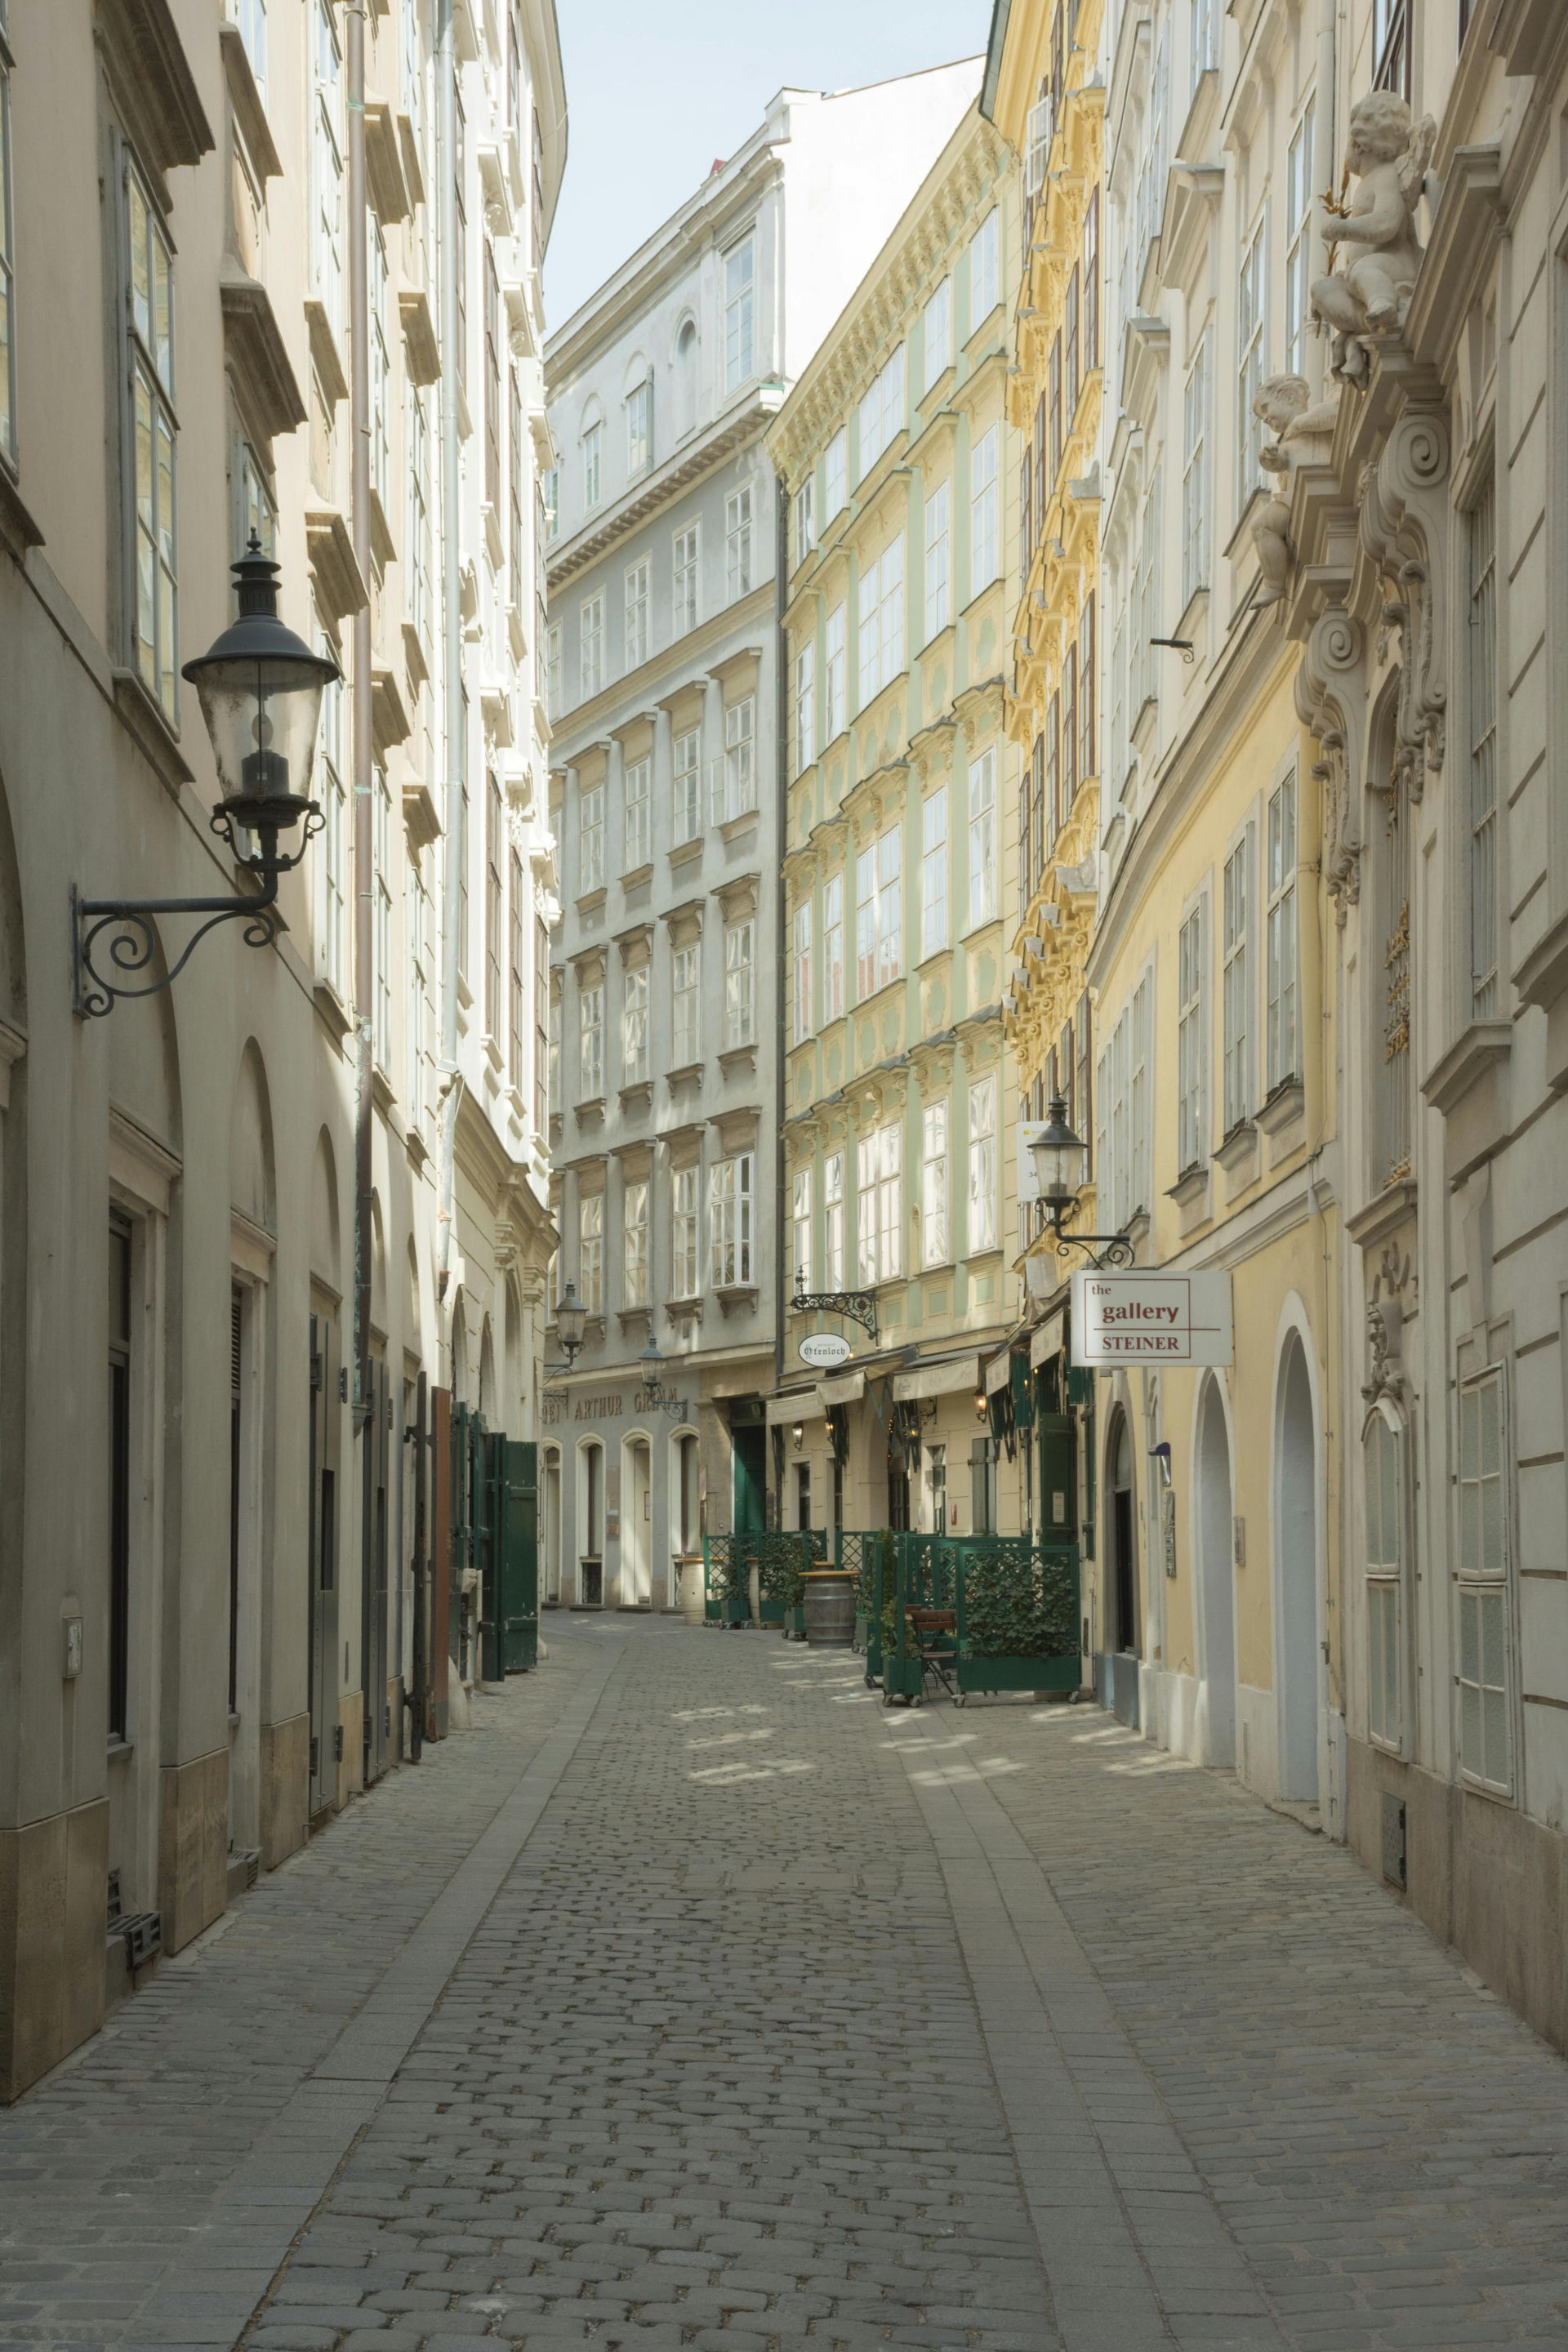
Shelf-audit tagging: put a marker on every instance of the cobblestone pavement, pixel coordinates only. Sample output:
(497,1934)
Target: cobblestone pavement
(693,2000)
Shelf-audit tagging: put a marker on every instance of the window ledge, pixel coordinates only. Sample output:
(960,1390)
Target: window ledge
(732,827)
(324,352)
(18,531)
(1239,1147)
(638,1096)
(592,902)
(334,1012)
(685,1074)
(685,851)
(1381,1215)
(1288,1102)
(591,1113)
(738,1058)
(638,876)
(1476,1051)
(683,1311)
(735,1296)
(155,739)
(635,1318)
(1191,1185)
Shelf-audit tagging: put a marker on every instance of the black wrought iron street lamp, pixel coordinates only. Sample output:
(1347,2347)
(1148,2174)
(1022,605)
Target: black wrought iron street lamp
(1061,1166)
(260,688)
(571,1322)
(653,1396)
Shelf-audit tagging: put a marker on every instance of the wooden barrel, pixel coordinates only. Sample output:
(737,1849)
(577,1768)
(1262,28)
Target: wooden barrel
(829,1608)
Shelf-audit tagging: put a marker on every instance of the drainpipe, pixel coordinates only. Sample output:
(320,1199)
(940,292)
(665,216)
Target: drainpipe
(364,834)
(784,1227)
(452,613)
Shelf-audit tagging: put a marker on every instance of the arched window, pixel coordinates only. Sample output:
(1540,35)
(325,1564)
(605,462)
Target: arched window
(686,377)
(1382,1465)
(638,400)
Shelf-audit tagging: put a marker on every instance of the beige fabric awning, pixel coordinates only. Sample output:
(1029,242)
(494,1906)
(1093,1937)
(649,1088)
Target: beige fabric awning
(802,1405)
(848,1387)
(1047,1339)
(937,1380)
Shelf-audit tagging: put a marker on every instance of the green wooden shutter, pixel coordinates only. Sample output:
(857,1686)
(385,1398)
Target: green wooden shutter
(1059,1477)
(518,1546)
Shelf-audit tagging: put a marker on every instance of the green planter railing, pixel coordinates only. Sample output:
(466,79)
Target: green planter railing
(781,1560)
(1016,1606)
(865,1553)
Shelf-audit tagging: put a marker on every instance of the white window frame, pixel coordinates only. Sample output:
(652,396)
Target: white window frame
(737,542)
(939,559)
(833,1221)
(1236,985)
(730,1222)
(634,1025)
(880,1202)
(800,949)
(639,835)
(686,578)
(591,646)
(685,1269)
(1480,525)
(800,1229)
(1252,352)
(878,914)
(1484,1677)
(1141,1095)
(593,464)
(686,785)
(735,781)
(985,541)
(1298,211)
(936,1238)
(381,912)
(836,703)
(805,704)
(740,982)
(636,613)
(1383,1492)
(554,659)
(803,519)
(933,872)
(880,633)
(1282,1045)
(686,1004)
(640,428)
(981,1118)
(331,854)
(882,411)
(1192,1016)
(634,1243)
(327,154)
(836,474)
(985,270)
(1195,472)
(832,949)
(983,892)
(152,506)
(591,1252)
(936,333)
(591,1042)
(739,266)
(590,839)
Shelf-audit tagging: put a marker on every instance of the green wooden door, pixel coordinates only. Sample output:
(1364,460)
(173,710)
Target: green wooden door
(518,1553)
(751,1482)
(1058,1434)
(489,1453)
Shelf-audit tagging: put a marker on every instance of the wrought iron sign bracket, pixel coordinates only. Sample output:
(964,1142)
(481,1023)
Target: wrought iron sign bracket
(1103,1250)
(854,1305)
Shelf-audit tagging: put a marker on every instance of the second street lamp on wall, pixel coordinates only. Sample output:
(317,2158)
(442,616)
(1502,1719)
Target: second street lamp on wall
(571,1321)
(260,688)
(1061,1168)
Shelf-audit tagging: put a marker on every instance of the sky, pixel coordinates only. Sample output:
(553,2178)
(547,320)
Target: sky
(654,93)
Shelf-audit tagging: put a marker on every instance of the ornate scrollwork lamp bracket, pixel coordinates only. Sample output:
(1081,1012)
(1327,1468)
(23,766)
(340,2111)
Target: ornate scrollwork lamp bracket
(854,1305)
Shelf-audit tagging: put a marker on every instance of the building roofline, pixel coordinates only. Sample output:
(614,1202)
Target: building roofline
(1000,11)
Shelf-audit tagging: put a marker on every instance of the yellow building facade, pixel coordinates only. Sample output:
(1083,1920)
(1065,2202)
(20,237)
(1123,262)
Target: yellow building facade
(894,450)
(1167,981)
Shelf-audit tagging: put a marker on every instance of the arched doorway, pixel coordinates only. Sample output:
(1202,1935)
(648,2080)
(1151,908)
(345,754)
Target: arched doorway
(685,1513)
(553,1524)
(591,1524)
(636,1524)
(1121,1573)
(1296,1577)
(1217,1590)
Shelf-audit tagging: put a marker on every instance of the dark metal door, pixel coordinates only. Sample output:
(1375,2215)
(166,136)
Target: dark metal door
(324,1434)
(374,1584)
(518,1551)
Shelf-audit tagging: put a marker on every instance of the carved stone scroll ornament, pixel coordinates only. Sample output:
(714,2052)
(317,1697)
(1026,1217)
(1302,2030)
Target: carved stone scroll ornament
(1385,1313)
(1330,698)
(1302,432)
(1387,154)
(1404,527)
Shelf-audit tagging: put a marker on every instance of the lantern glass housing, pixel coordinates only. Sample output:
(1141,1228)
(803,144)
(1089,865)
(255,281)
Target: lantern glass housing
(1060,1159)
(571,1319)
(260,690)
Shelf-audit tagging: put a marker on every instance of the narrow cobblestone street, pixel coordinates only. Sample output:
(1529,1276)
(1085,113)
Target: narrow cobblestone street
(692,1999)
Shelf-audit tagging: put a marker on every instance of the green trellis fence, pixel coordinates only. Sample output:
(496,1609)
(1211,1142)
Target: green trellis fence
(781,1560)
(1015,1606)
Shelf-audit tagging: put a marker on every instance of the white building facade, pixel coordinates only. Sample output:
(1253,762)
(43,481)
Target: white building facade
(247,1223)
(665,1007)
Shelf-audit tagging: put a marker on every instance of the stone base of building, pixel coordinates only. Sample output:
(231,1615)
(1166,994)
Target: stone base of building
(1482,1876)
(284,1788)
(53,1874)
(193,1846)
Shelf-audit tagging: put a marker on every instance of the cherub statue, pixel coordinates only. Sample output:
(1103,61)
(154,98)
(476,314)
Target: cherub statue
(1388,155)
(1302,428)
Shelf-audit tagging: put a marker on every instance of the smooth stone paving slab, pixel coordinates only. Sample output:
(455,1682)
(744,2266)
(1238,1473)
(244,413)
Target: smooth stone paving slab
(694,2000)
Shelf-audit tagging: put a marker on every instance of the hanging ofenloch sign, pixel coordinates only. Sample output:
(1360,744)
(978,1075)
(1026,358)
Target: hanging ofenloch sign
(1151,1319)
(825,1349)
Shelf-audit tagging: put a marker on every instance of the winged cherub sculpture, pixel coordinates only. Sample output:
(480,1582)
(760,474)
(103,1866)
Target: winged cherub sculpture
(1388,155)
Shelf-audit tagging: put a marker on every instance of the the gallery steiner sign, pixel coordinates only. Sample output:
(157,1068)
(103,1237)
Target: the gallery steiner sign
(1151,1319)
